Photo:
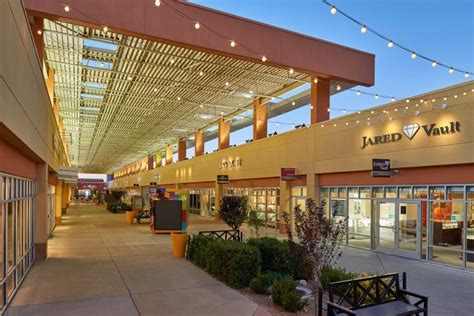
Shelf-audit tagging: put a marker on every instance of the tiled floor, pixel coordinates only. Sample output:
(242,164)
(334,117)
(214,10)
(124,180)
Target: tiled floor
(98,265)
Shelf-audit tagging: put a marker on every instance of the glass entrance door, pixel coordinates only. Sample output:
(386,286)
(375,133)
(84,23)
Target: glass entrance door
(398,228)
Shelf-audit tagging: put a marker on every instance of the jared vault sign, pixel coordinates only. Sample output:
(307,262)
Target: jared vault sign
(380,167)
(410,130)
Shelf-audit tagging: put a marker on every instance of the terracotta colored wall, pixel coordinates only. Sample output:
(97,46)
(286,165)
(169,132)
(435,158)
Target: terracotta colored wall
(15,163)
(254,183)
(199,185)
(457,174)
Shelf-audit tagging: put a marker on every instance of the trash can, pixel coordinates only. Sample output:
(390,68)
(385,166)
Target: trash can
(179,241)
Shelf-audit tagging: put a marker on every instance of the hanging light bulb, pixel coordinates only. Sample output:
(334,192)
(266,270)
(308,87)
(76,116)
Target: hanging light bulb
(106,29)
(201,73)
(232,44)
(357,92)
(67,8)
(363,29)
(392,99)
(396,110)
(197,26)
(264,59)
(434,63)
(293,103)
(157,3)
(39,32)
(178,98)
(445,98)
(466,75)
(358,112)
(226,84)
(407,100)
(291,71)
(333,10)
(344,111)
(372,112)
(413,55)
(315,80)
(451,70)
(376,96)
(338,88)
(329,110)
(357,122)
(390,44)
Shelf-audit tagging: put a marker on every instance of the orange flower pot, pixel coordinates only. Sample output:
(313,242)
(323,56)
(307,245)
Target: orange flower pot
(129,216)
(179,242)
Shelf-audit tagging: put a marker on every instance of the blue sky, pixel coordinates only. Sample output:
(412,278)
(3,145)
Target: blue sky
(440,29)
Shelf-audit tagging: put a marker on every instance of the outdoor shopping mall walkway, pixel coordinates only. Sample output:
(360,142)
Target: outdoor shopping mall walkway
(98,265)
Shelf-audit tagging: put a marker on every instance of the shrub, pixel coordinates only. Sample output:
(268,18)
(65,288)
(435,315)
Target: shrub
(284,294)
(126,207)
(255,223)
(234,210)
(112,207)
(277,256)
(235,264)
(334,274)
(261,283)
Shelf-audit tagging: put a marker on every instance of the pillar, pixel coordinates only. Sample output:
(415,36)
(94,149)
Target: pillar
(181,150)
(150,162)
(168,154)
(223,134)
(50,88)
(159,159)
(219,193)
(39,42)
(199,139)
(58,201)
(41,212)
(312,187)
(69,194)
(320,95)
(260,117)
(285,205)
(64,196)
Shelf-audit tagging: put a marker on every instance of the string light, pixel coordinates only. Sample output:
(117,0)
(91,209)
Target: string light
(315,80)
(291,71)
(376,97)
(67,8)
(338,88)
(197,26)
(451,70)
(105,28)
(466,75)
(391,43)
(226,84)
(201,73)
(264,59)
(157,3)
(232,44)
(357,92)
(39,32)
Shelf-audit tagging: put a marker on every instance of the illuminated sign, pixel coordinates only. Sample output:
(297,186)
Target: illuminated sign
(410,130)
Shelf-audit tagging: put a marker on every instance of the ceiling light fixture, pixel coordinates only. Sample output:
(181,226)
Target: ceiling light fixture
(67,8)
(197,26)
(264,59)
(232,44)
(333,10)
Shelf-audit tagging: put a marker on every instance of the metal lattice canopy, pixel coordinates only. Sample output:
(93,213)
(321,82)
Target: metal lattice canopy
(123,97)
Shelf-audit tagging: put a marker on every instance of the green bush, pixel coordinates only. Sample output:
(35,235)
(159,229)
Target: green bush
(284,294)
(236,264)
(334,274)
(261,283)
(277,256)
(112,207)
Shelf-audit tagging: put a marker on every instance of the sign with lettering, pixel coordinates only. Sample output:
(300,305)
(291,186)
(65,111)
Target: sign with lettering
(288,174)
(230,163)
(410,130)
(222,179)
(68,174)
(380,168)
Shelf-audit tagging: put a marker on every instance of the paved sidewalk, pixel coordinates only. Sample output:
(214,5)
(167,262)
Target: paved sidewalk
(98,265)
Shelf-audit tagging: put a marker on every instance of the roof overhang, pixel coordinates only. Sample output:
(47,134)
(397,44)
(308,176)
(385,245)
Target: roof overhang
(171,24)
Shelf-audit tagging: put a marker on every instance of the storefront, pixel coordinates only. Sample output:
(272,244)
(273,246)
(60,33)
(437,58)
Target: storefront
(423,208)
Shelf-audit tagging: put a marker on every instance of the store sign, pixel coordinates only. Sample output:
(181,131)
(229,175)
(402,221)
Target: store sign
(230,163)
(380,168)
(410,130)
(288,174)
(222,179)
(152,183)
(136,185)
(68,174)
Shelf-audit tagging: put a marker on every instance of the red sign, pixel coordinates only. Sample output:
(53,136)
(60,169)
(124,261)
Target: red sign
(288,174)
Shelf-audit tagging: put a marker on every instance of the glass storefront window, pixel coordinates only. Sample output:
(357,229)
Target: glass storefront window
(390,192)
(377,192)
(470,193)
(456,193)
(353,192)
(359,223)
(404,192)
(334,192)
(342,193)
(437,193)
(470,235)
(324,192)
(420,192)
(365,192)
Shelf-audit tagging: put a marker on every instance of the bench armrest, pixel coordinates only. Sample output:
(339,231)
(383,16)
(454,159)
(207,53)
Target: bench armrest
(422,299)
(335,309)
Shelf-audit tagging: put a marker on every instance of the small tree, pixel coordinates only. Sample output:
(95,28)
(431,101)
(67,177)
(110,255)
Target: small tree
(234,210)
(255,223)
(319,238)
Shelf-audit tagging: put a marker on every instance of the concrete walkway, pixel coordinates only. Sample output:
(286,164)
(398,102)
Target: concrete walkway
(98,265)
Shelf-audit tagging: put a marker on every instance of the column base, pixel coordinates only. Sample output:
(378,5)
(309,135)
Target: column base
(58,220)
(282,228)
(41,251)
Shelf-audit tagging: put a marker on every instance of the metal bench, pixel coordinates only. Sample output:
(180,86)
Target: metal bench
(375,295)
(142,214)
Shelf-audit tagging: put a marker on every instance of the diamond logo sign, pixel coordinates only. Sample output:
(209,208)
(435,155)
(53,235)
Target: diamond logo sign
(411,129)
